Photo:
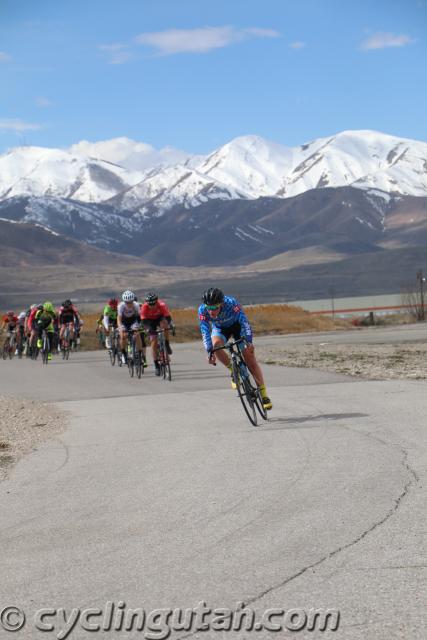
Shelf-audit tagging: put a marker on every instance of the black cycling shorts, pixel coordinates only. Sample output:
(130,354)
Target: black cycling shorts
(151,326)
(233,331)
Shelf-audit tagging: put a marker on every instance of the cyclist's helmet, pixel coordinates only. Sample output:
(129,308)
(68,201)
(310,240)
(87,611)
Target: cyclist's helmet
(113,302)
(22,315)
(10,313)
(213,296)
(67,303)
(48,306)
(128,296)
(39,307)
(151,298)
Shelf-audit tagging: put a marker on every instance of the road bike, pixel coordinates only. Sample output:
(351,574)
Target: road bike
(163,356)
(66,343)
(45,347)
(9,346)
(247,389)
(114,351)
(33,348)
(135,358)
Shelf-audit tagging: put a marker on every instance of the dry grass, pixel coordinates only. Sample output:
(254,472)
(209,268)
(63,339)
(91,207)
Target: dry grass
(265,319)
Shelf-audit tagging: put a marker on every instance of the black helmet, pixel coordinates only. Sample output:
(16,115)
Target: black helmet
(67,303)
(151,297)
(213,296)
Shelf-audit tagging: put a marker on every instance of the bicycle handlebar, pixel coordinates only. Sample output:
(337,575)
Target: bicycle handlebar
(229,345)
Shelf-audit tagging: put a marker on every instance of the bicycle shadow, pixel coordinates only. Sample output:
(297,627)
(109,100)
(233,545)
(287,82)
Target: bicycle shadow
(299,422)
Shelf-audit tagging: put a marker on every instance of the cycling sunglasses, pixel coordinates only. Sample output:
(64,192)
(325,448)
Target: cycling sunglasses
(213,307)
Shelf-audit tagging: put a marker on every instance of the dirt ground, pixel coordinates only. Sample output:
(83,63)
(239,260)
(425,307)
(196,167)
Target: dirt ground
(24,424)
(373,361)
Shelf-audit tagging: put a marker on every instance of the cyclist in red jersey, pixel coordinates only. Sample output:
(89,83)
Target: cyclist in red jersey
(10,320)
(155,314)
(67,315)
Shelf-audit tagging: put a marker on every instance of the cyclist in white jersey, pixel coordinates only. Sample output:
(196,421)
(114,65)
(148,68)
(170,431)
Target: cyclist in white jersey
(128,319)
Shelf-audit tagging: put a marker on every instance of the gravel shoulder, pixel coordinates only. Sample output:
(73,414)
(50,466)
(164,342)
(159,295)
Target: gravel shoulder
(24,424)
(371,361)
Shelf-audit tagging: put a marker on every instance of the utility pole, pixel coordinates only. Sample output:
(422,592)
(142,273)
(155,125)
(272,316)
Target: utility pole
(421,279)
(332,294)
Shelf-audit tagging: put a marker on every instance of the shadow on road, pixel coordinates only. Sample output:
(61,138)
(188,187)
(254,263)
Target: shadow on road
(294,423)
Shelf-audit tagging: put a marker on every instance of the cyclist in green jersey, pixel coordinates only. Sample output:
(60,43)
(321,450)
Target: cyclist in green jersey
(44,320)
(110,319)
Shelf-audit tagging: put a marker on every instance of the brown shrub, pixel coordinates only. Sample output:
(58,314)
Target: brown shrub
(265,319)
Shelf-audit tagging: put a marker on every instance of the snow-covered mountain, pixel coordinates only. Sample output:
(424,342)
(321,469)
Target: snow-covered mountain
(364,159)
(248,167)
(251,167)
(37,171)
(162,189)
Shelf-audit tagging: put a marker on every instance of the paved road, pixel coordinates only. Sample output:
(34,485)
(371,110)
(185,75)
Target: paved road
(163,495)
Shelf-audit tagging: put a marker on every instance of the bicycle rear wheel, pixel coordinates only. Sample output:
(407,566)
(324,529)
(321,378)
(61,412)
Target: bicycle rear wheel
(244,390)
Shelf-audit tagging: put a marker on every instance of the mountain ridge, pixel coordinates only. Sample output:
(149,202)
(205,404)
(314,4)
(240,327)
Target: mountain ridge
(247,167)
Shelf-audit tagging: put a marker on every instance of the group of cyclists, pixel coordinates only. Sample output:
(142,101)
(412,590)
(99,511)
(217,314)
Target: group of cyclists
(24,331)
(146,319)
(221,318)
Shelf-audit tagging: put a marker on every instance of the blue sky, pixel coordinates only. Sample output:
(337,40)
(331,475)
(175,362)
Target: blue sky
(193,74)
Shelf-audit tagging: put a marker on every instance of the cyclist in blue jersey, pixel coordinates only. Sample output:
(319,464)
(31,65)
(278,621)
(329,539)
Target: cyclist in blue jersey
(220,318)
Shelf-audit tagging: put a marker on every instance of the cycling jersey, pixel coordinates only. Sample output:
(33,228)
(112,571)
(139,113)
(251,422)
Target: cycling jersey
(46,318)
(31,318)
(231,313)
(68,314)
(125,313)
(11,322)
(110,312)
(155,311)
(109,316)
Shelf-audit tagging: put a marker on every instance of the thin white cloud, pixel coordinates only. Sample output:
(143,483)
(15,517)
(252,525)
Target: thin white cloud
(43,102)
(383,40)
(4,57)
(298,45)
(129,153)
(117,52)
(10,124)
(262,33)
(199,40)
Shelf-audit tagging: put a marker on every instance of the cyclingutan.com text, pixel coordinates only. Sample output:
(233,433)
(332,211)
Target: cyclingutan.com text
(159,624)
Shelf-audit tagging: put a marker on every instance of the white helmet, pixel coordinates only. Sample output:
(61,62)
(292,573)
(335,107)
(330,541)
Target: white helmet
(22,315)
(128,296)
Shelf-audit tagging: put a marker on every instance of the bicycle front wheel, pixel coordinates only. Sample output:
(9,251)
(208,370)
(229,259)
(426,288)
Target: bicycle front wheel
(240,376)
(138,364)
(131,366)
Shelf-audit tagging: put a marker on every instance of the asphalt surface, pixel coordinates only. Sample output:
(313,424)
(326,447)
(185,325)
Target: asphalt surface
(162,495)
